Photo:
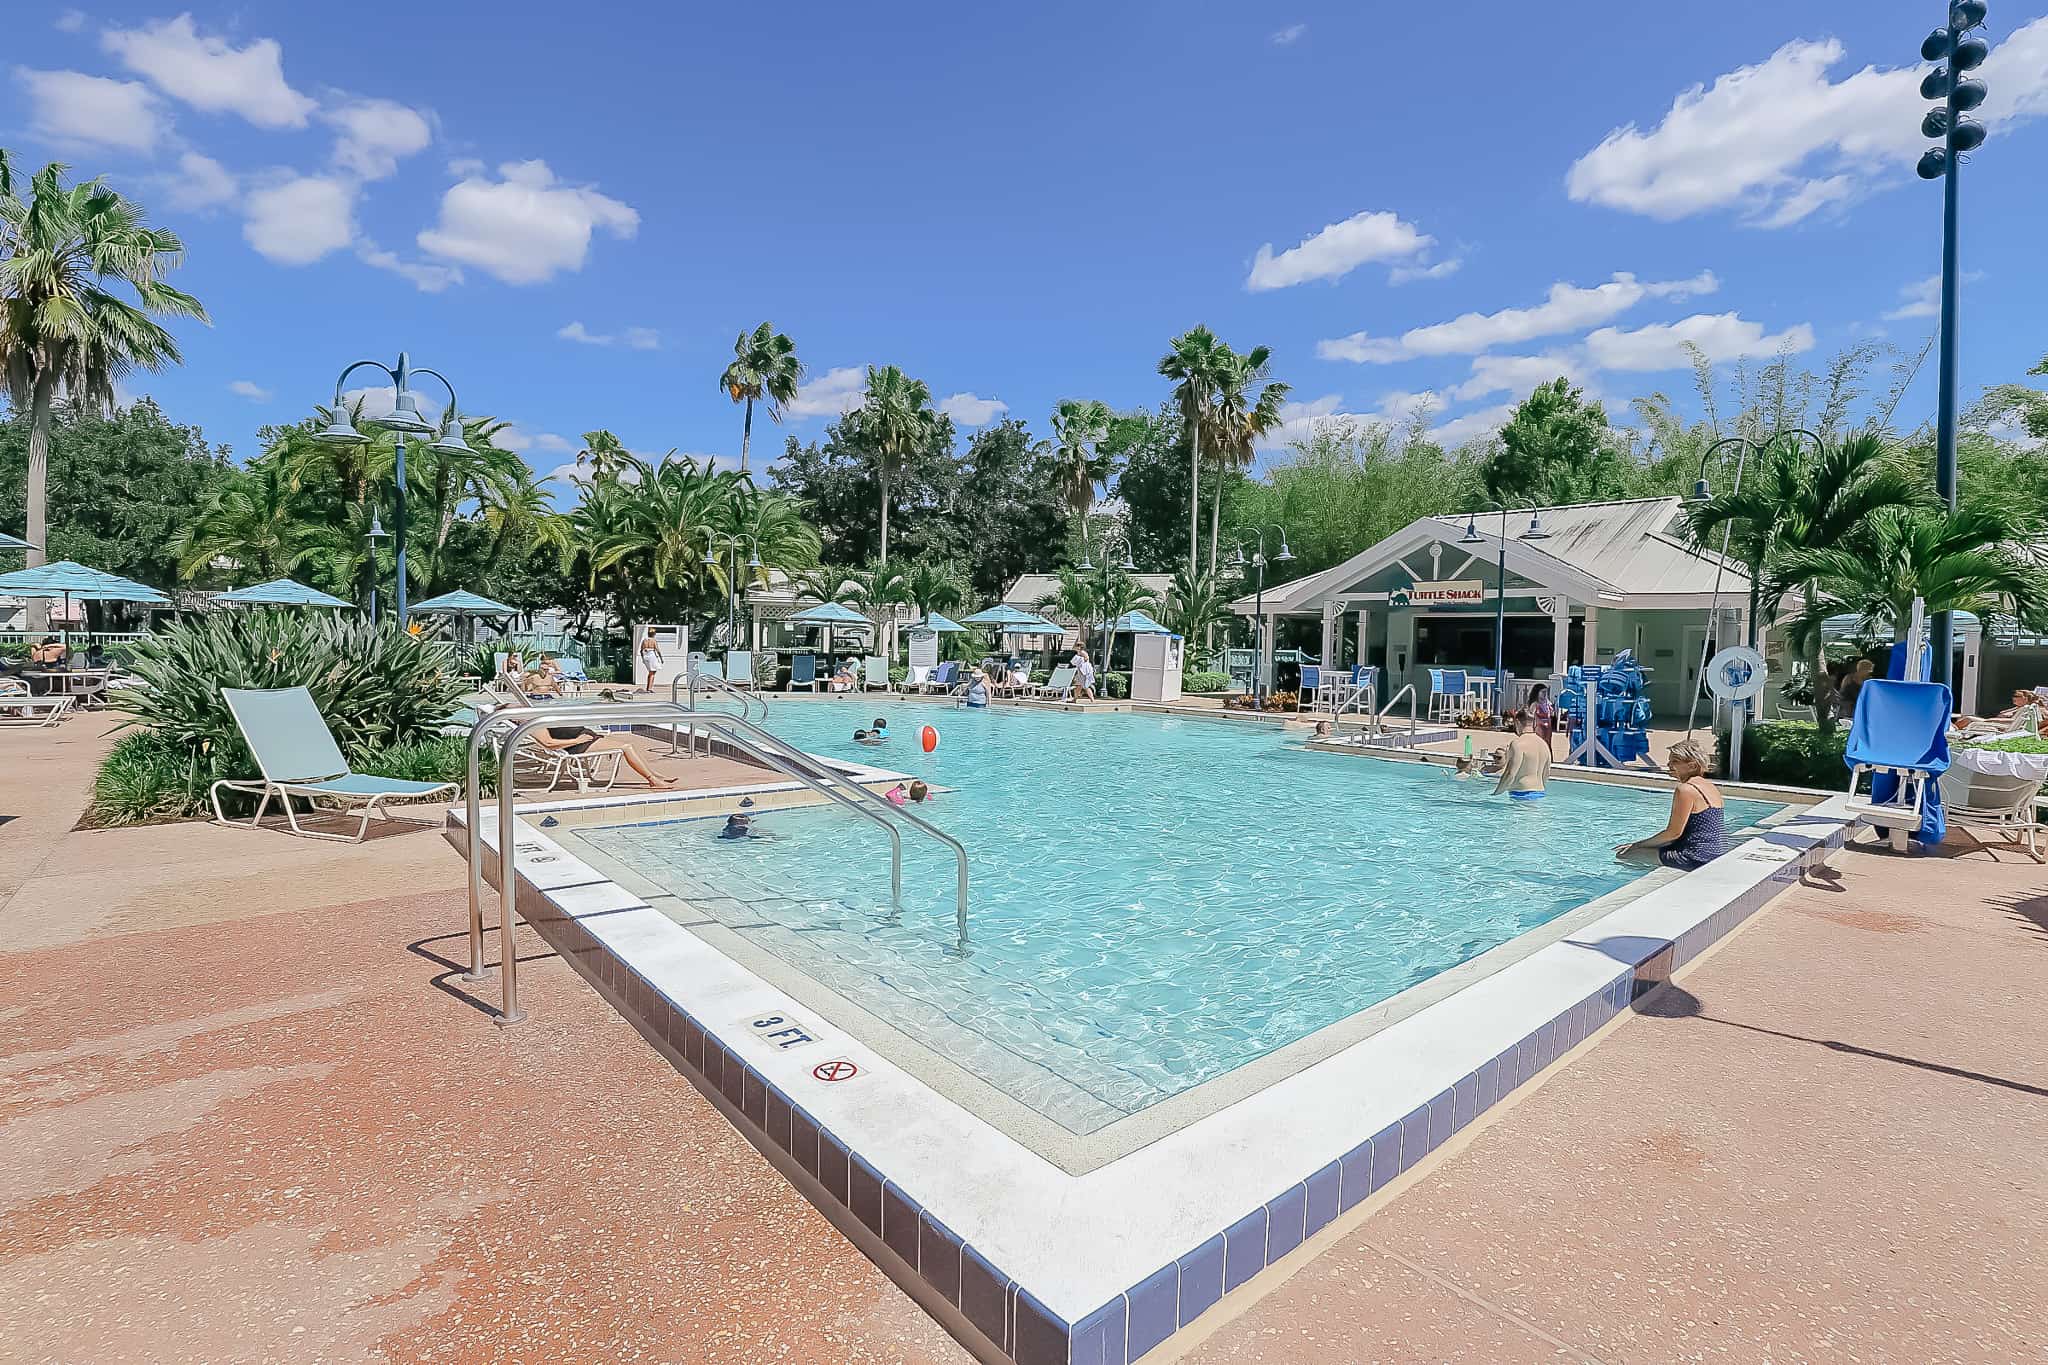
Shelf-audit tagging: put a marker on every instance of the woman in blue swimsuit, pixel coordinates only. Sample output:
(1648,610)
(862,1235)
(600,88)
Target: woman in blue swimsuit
(1696,833)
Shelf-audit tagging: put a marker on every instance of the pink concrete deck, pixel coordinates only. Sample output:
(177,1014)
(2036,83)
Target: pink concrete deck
(249,1114)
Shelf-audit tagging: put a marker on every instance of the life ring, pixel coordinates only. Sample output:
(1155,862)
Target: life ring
(929,738)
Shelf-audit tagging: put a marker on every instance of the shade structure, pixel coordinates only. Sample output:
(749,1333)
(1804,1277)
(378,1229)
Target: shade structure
(1137,623)
(8,542)
(282,592)
(829,614)
(935,622)
(1005,617)
(1849,627)
(461,603)
(68,578)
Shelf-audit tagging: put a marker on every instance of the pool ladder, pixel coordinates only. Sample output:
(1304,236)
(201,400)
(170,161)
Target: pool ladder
(769,749)
(693,678)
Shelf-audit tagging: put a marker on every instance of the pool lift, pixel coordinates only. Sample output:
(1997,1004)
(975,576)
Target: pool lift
(506,728)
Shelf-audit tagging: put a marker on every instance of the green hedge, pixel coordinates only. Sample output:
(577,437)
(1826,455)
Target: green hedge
(1204,681)
(1117,685)
(1794,753)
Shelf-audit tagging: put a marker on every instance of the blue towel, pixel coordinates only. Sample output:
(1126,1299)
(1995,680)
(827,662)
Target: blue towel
(1903,725)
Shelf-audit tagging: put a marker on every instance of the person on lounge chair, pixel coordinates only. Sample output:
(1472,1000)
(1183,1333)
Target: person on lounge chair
(845,679)
(578,739)
(2024,714)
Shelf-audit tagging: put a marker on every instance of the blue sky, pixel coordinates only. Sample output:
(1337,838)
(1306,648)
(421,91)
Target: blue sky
(572,217)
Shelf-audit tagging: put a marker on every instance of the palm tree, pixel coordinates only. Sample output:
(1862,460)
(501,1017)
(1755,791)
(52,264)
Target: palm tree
(608,458)
(1789,505)
(1194,362)
(1195,604)
(63,254)
(253,522)
(662,526)
(1239,421)
(1116,594)
(895,421)
(764,368)
(934,586)
(1078,425)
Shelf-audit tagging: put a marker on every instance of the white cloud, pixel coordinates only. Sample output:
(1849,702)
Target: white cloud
(70,21)
(633,338)
(641,338)
(375,135)
(210,74)
(201,183)
(1408,274)
(1782,140)
(72,107)
(1721,336)
(518,438)
(1337,250)
(249,389)
(463,167)
(1922,298)
(425,276)
(1299,421)
(972,410)
(377,401)
(576,331)
(1517,374)
(526,227)
(1472,426)
(297,221)
(1567,308)
(1288,36)
(547,440)
(830,394)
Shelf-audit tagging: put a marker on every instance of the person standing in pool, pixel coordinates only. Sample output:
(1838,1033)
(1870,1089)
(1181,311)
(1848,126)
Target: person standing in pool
(1526,774)
(1543,713)
(1697,832)
(977,690)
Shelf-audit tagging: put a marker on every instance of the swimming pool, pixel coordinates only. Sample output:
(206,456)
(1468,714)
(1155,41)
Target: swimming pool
(1156,901)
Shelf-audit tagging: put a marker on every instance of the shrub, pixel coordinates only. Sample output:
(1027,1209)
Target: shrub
(385,695)
(1794,753)
(1204,680)
(1116,685)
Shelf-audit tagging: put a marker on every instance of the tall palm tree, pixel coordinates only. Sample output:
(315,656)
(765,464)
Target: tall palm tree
(64,255)
(1195,604)
(1789,504)
(663,526)
(253,521)
(894,421)
(1116,594)
(934,586)
(1194,362)
(764,369)
(607,457)
(1078,426)
(1239,420)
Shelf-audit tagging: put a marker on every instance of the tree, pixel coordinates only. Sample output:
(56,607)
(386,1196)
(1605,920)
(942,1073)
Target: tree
(1194,362)
(837,482)
(764,369)
(1079,425)
(251,523)
(64,254)
(608,459)
(1006,515)
(1240,420)
(1196,604)
(1149,452)
(1557,448)
(895,420)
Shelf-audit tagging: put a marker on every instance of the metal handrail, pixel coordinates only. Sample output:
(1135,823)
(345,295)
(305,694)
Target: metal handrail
(790,761)
(1379,712)
(691,676)
(525,719)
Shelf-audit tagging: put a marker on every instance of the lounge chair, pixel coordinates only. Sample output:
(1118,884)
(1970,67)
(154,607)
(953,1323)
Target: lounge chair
(297,755)
(919,675)
(739,668)
(1308,693)
(708,668)
(942,677)
(1996,803)
(537,765)
(574,674)
(19,706)
(1899,737)
(1062,678)
(803,672)
(874,672)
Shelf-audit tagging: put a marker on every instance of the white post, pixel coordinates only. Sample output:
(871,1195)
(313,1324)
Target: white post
(1973,650)
(1561,635)
(1364,633)
(1328,658)
(1589,653)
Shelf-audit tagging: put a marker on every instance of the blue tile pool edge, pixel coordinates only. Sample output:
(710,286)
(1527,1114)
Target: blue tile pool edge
(1020,1327)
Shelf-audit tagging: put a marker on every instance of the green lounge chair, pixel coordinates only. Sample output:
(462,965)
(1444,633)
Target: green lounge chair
(298,757)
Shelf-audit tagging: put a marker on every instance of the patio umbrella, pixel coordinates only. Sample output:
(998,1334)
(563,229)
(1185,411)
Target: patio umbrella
(465,606)
(1009,619)
(1137,623)
(8,542)
(282,592)
(69,579)
(828,615)
(934,621)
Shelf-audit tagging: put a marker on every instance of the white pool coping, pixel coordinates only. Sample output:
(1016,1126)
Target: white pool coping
(1087,1258)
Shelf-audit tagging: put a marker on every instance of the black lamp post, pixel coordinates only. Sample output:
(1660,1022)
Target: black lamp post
(1258,560)
(372,536)
(1500,588)
(712,537)
(1959,135)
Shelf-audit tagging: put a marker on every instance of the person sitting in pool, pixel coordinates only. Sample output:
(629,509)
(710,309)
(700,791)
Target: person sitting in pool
(1526,773)
(578,739)
(919,792)
(880,729)
(896,795)
(740,825)
(866,737)
(1697,832)
(1324,729)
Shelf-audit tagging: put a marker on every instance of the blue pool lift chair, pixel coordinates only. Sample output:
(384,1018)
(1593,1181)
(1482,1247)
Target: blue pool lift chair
(1900,737)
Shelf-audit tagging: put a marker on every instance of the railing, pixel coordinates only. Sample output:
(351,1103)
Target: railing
(782,757)
(1379,712)
(692,677)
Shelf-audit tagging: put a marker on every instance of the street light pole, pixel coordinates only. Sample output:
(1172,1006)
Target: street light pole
(1500,587)
(1260,673)
(375,534)
(712,536)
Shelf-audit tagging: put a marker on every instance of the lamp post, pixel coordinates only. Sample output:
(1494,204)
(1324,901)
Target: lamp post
(372,536)
(712,537)
(1260,675)
(1500,586)
(1087,565)
(404,419)
(1958,135)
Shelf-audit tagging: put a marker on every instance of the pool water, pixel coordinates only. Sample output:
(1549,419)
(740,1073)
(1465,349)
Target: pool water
(1154,901)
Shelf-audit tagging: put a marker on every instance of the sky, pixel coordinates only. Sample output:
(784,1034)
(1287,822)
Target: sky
(572,219)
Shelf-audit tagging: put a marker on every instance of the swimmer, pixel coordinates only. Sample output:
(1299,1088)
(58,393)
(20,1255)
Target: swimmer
(1323,729)
(1526,771)
(880,730)
(1465,767)
(866,737)
(739,825)
(919,792)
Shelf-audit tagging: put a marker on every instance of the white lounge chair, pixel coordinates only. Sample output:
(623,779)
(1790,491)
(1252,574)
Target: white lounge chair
(919,675)
(739,668)
(1062,678)
(19,706)
(874,672)
(297,755)
(1994,803)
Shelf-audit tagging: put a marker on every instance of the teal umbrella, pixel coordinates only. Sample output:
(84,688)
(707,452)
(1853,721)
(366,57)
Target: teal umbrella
(1137,623)
(825,616)
(1008,618)
(936,622)
(281,592)
(461,603)
(68,579)
(8,542)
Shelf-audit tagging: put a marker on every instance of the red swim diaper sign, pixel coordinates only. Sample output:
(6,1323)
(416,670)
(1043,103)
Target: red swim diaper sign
(840,1070)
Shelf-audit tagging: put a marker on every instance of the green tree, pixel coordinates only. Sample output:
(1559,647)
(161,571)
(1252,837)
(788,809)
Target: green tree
(1196,604)
(1079,426)
(1240,419)
(252,523)
(607,457)
(1007,515)
(1557,448)
(836,481)
(764,369)
(895,420)
(66,253)
(1195,361)
(1154,480)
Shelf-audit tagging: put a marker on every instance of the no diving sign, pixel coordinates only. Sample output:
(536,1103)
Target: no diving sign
(837,1070)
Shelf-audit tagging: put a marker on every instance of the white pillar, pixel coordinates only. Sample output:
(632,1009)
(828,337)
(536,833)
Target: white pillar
(1561,635)
(1364,632)
(1972,640)
(1328,657)
(1590,653)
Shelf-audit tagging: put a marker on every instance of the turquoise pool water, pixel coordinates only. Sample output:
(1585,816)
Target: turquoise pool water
(1155,901)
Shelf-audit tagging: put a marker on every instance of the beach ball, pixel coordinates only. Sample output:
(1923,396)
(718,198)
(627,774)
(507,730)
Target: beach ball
(929,738)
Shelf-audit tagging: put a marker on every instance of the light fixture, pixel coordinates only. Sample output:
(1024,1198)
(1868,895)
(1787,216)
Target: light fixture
(450,441)
(1087,564)
(1933,164)
(1535,531)
(340,429)
(1968,95)
(1700,491)
(1934,85)
(1934,47)
(710,559)
(1129,565)
(376,531)
(1966,14)
(1969,54)
(1472,536)
(1237,558)
(754,562)
(1969,135)
(1285,553)
(405,416)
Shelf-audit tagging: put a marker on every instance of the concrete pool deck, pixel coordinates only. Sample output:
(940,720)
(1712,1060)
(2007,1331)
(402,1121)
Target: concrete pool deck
(250,1114)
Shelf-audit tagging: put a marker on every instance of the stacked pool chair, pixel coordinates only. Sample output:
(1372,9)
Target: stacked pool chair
(1612,697)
